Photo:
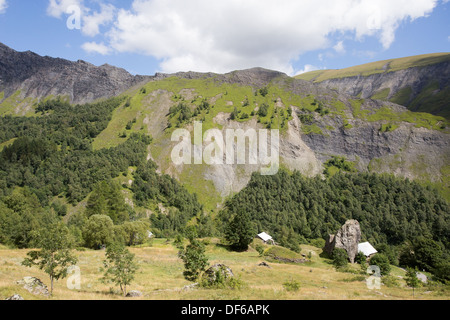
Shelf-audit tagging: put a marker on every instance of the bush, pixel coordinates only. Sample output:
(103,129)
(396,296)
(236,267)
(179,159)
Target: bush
(221,280)
(340,258)
(260,249)
(98,231)
(291,285)
(382,262)
(195,260)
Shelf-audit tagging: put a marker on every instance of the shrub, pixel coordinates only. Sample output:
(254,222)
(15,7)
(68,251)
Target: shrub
(291,285)
(382,262)
(340,258)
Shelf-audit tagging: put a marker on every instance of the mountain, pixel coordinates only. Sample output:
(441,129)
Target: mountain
(421,83)
(26,77)
(317,123)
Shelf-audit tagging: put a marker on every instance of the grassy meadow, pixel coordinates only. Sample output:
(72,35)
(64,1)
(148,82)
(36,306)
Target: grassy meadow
(160,277)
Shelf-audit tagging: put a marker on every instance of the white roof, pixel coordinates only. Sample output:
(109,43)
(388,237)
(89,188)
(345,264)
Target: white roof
(264,236)
(366,248)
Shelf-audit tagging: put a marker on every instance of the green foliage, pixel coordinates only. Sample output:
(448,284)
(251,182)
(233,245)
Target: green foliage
(55,256)
(388,127)
(20,215)
(390,210)
(340,258)
(426,254)
(340,164)
(234,114)
(306,118)
(289,239)
(98,231)
(260,249)
(107,199)
(411,278)
(195,260)
(239,231)
(382,262)
(264,91)
(263,110)
(390,252)
(149,186)
(52,152)
(291,285)
(181,112)
(132,233)
(221,280)
(120,267)
(361,258)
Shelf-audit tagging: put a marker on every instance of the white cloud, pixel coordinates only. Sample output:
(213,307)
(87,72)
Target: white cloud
(220,36)
(307,68)
(339,47)
(57,8)
(235,34)
(92,22)
(93,47)
(3,6)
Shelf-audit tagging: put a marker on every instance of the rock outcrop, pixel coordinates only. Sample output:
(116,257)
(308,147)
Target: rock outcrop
(16,297)
(134,294)
(218,270)
(34,286)
(347,238)
(403,86)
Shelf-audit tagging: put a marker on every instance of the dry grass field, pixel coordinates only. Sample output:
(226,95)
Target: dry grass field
(160,278)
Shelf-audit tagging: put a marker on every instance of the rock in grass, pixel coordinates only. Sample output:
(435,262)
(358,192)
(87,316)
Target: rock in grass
(134,294)
(34,286)
(15,297)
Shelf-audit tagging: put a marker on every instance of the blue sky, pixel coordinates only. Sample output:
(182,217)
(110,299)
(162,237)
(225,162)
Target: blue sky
(148,36)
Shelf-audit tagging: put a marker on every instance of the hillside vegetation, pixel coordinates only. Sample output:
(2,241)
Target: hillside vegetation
(418,82)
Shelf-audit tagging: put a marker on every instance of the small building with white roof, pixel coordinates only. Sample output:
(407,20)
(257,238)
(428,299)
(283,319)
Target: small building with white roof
(367,249)
(266,238)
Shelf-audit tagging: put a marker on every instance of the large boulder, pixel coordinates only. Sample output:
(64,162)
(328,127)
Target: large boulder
(347,238)
(217,270)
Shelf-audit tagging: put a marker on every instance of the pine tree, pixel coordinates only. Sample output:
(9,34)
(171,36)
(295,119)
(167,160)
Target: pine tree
(411,278)
(240,232)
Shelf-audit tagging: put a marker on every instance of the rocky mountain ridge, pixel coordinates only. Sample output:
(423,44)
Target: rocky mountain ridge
(37,77)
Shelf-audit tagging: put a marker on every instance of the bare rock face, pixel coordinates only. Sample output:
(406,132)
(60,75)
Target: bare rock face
(346,238)
(37,77)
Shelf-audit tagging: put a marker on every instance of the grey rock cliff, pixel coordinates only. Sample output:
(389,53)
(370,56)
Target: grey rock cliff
(416,80)
(39,77)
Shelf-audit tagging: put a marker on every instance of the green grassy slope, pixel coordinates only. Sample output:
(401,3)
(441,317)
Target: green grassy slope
(376,67)
(432,98)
